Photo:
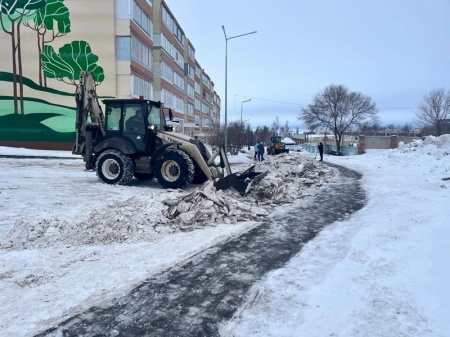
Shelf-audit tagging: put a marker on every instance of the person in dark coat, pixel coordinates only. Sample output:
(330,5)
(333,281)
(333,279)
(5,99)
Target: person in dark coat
(135,123)
(261,151)
(320,147)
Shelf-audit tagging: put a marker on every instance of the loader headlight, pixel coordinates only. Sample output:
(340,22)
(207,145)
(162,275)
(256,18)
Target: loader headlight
(151,127)
(172,128)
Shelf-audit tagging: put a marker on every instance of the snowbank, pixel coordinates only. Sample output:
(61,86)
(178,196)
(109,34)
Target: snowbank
(147,216)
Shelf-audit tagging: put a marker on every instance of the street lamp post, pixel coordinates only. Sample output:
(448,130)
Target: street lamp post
(242,125)
(226,73)
(242,105)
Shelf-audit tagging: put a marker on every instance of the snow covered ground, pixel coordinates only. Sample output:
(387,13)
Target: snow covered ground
(382,272)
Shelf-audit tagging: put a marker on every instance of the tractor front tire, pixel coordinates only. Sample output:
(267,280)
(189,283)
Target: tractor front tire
(113,167)
(199,176)
(174,169)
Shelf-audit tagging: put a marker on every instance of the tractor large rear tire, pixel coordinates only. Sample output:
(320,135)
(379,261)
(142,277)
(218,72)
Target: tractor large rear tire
(174,169)
(113,167)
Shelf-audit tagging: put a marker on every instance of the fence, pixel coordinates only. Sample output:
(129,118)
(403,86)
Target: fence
(346,150)
(381,142)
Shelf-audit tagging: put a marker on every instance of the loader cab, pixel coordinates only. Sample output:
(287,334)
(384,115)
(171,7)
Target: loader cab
(135,120)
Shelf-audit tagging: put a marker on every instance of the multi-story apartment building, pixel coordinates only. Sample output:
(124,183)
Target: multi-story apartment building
(136,48)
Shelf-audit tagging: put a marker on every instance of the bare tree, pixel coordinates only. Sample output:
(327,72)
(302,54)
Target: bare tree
(434,111)
(216,135)
(337,109)
(262,134)
(369,129)
(276,126)
(287,130)
(249,137)
(236,136)
(240,135)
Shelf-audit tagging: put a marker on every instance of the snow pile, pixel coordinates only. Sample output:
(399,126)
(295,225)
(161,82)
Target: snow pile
(132,220)
(435,146)
(146,218)
(290,177)
(206,206)
(437,149)
(288,141)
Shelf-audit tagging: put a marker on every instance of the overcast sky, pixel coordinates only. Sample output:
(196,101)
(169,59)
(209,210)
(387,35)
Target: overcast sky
(395,51)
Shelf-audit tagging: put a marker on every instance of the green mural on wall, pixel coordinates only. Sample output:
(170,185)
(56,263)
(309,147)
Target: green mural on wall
(44,25)
(30,118)
(72,59)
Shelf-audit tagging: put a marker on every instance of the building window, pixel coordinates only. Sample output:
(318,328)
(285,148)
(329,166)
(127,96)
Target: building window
(123,49)
(206,96)
(142,19)
(178,103)
(191,52)
(167,19)
(190,108)
(190,90)
(167,46)
(141,53)
(167,98)
(172,25)
(166,72)
(197,88)
(197,103)
(178,33)
(178,57)
(172,51)
(206,80)
(190,72)
(141,87)
(178,81)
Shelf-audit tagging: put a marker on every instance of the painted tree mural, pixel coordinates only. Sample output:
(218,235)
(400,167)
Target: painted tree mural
(50,22)
(73,58)
(11,18)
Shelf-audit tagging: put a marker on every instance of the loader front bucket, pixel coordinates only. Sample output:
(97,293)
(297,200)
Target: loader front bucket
(241,181)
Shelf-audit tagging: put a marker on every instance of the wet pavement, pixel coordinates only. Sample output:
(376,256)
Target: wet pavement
(194,298)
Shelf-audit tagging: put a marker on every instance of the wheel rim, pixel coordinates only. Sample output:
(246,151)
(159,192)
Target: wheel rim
(111,169)
(170,170)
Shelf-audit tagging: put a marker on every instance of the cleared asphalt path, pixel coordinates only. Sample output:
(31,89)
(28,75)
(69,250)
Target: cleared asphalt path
(192,299)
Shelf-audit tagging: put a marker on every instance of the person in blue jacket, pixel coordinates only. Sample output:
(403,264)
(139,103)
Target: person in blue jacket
(256,150)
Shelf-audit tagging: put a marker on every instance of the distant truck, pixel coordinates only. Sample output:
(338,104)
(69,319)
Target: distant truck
(276,146)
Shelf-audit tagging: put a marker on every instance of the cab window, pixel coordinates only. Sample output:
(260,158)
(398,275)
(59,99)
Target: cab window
(154,117)
(134,120)
(113,117)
